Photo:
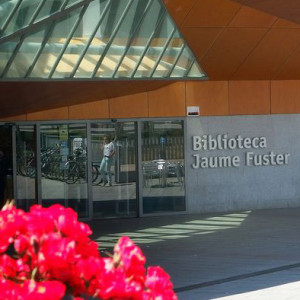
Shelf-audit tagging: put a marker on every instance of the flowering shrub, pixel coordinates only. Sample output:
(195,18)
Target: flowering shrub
(47,254)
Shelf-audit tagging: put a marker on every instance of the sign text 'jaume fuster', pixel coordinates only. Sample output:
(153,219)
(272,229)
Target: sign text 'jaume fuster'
(222,142)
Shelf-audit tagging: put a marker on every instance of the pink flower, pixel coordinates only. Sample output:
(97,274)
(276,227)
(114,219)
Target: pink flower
(47,253)
(10,290)
(158,285)
(130,258)
(114,283)
(89,268)
(12,221)
(8,266)
(47,290)
(56,257)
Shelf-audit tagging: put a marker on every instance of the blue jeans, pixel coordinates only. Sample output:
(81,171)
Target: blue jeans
(105,169)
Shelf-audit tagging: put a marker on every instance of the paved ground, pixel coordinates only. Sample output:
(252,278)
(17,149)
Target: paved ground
(241,255)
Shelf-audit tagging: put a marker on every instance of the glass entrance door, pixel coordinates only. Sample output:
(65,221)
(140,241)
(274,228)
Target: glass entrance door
(6,179)
(163,166)
(114,169)
(26,175)
(63,160)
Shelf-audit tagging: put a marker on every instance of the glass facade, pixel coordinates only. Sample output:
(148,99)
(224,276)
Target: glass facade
(26,170)
(103,39)
(163,166)
(120,198)
(63,160)
(101,169)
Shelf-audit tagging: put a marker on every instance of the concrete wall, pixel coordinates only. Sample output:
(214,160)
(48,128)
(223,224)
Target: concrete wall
(274,184)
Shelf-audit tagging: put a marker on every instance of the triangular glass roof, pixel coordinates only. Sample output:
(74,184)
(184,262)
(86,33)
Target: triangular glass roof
(92,39)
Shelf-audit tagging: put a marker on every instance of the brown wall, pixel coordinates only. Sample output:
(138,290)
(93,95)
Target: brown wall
(215,98)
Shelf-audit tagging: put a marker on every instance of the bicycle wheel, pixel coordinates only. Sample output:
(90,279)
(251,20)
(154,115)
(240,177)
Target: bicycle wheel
(71,174)
(95,173)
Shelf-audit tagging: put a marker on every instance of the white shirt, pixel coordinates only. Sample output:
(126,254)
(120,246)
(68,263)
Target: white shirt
(108,149)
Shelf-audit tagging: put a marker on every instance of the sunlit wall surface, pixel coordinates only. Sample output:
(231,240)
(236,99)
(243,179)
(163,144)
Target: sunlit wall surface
(108,39)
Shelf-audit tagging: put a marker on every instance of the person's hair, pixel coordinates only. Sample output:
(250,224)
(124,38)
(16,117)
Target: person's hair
(107,137)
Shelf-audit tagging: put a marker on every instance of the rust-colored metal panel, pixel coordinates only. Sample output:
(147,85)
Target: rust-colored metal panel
(269,55)
(51,114)
(90,110)
(179,9)
(132,106)
(201,39)
(285,97)
(290,70)
(287,9)
(230,50)
(27,97)
(249,97)
(249,17)
(223,52)
(210,96)
(168,101)
(211,13)
(14,118)
(282,23)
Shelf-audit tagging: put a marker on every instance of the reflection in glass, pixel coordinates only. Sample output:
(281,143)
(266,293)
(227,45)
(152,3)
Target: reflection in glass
(58,39)
(52,50)
(6,164)
(64,167)
(163,166)
(49,8)
(23,15)
(25,56)
(119,198)
(26,166)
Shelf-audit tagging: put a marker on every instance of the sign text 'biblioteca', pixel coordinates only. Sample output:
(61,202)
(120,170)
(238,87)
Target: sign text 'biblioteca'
(252,156)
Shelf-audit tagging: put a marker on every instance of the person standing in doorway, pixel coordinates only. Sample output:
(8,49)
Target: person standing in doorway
(105,166)
(3,173)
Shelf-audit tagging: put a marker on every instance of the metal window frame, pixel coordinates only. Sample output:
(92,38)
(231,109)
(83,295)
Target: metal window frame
(67,42)
(159,23)
(132,36)
(102,16)
(116,29)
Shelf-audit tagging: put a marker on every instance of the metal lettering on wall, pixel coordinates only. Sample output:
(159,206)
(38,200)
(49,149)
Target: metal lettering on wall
(222,142)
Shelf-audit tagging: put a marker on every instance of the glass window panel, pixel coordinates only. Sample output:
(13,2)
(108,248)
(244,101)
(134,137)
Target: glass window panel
(169,58)
(54,45)
(96,47)
(26,55)
(117,12)
(64,166)
(119,44)
(26,166)
(149,25)
(142,37)
(5,10)
(78,42)
(49,8)
(196,71)
(157,46)
(134,39)
(22,16)
(118,199)
(163,166)
(183,64)
(72,2)
(6,165)
(6,51)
